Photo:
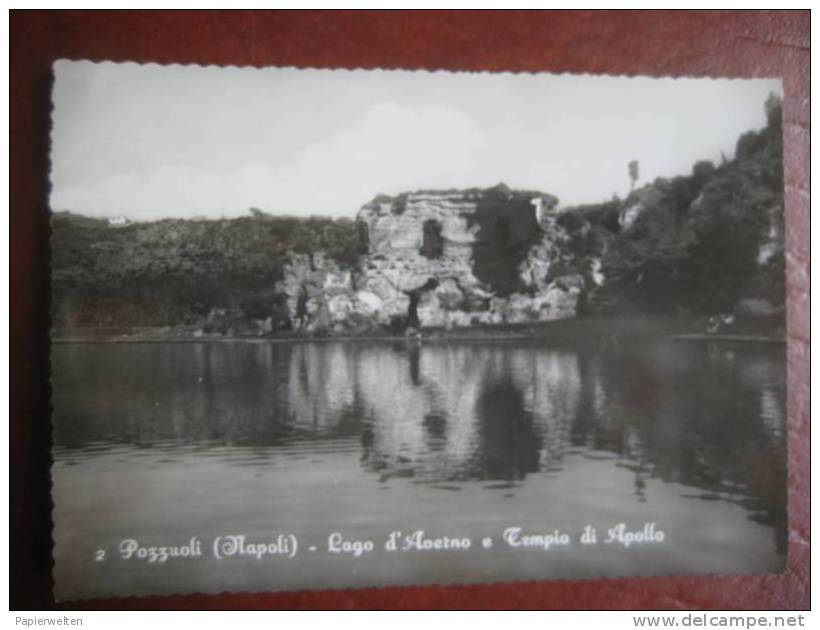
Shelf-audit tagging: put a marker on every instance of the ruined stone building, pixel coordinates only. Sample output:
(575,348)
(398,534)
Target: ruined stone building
(442,259)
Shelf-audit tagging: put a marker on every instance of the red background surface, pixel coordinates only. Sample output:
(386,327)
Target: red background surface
(700,44)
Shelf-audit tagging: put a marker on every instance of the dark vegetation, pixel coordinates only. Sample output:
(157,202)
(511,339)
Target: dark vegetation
(173,272)
(507,229)
(692,243)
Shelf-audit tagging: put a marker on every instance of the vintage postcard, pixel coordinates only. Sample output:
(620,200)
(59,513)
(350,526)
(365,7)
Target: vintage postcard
(320,329)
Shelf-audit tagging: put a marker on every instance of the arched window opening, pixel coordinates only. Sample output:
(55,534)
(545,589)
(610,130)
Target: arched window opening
(432,245)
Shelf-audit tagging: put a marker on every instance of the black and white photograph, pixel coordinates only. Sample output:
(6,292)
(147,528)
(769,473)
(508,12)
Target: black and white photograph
(322,329)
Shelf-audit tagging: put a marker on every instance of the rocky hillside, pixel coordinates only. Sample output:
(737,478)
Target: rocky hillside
(705,246)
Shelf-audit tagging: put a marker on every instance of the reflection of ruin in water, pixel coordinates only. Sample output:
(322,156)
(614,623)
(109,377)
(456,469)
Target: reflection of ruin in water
(709,417)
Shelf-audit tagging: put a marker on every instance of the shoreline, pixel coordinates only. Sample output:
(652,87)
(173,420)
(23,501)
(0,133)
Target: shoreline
(604,332)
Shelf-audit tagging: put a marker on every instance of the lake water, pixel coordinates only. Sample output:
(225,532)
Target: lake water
(161,442)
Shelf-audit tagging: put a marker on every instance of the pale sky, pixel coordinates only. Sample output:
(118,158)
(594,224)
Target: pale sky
(149,141)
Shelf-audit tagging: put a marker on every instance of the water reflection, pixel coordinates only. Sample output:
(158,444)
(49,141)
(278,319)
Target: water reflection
(708,416)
